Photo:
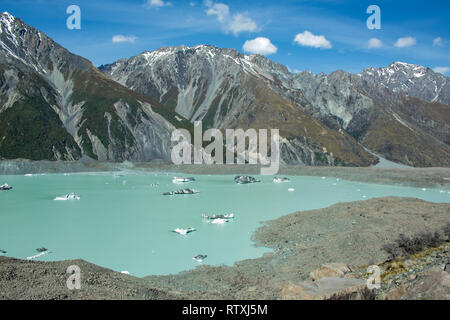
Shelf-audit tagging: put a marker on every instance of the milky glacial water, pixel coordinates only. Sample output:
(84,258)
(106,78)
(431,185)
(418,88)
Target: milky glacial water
(123,223)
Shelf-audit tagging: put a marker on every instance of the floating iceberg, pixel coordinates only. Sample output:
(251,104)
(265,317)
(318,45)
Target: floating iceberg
(245,179)
(220,221)
(5,187)
(280,180)
(42,252)
(182,191)
(184,231)
(200,257)
(70,196)
(291,189)
(182,179)
(218,216)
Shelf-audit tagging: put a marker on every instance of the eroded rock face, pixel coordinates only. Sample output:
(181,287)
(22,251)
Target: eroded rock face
(433,285)
(67,109)
(325,289)
(328,270)
(402,103)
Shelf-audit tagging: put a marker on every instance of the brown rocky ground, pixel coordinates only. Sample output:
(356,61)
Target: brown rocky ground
(33,280)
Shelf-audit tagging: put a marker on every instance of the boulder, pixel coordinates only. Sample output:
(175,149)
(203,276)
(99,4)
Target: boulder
(326,289)
(330,270)
(433,285)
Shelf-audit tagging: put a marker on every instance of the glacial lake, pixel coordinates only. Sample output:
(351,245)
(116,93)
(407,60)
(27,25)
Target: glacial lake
(123,223)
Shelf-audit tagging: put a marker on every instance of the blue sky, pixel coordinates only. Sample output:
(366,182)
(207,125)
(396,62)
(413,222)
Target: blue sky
(331,34)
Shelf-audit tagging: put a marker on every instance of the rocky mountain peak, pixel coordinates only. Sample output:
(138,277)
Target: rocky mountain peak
(410,80)
(6,18)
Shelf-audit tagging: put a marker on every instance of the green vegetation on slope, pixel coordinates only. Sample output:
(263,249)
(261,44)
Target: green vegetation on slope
(31,129)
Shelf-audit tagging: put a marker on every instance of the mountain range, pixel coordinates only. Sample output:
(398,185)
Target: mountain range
(56,105)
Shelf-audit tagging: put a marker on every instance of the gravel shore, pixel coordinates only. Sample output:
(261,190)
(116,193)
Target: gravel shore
(416,177)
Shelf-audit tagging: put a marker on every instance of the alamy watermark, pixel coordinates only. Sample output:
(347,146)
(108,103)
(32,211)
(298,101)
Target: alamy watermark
(74,280)
(186,152)
(374,280)
(374,21)
(74,20)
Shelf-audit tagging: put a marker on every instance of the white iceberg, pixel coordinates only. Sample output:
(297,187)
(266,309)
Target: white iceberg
(70,196)
(200,257)
(43,253)
(218,216)
(184,232)
(182,179)
(5,187)
(220,221)
(281,180)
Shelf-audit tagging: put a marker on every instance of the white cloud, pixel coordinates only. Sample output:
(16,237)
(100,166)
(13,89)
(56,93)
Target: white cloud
(307,39)
(157,3)
(374,43)
(405,42)
(241,23)
(260,45)
(442,70)
(236,23)
(118,38)
(437,42)
(222,11)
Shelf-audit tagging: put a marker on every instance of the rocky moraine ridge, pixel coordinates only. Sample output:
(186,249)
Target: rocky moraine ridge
(56,105)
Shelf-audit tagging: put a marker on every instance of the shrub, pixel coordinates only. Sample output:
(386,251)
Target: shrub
(364,294)
(446,230)
(405,246)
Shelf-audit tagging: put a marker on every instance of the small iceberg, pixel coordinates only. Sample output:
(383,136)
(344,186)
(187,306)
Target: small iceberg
(70,196)
(291,189)
(28,175)
(42,252)
(218,216)
(184,232)
(281,180)
(219,221)
(125,272)
(245,180)
(200,257)
(182,179)
(182,191)
(5,187)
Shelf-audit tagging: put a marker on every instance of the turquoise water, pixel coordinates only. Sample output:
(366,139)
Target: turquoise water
(123,223)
